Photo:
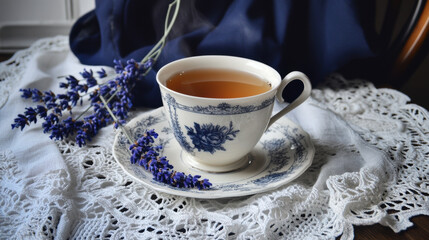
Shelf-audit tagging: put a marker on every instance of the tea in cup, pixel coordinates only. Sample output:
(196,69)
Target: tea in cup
(219,107)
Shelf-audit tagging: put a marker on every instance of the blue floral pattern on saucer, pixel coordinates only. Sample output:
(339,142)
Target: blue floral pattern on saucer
(284,152)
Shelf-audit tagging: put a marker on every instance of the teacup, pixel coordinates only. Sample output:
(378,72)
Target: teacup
(217,133)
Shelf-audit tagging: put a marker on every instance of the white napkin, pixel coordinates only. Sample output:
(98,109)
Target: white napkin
(349,151)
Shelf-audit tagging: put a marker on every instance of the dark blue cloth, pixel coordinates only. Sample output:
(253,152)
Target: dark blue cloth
(313,36)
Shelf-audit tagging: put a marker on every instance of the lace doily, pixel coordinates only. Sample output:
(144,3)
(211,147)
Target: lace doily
(91,197)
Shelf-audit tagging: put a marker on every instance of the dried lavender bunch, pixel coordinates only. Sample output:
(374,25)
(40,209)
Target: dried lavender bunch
(145,154)
(53,108)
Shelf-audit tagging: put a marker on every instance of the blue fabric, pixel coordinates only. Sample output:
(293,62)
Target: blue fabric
(313,36)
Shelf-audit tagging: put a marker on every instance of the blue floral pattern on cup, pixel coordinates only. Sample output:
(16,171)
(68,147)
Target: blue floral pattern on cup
(199,134)
(209,137)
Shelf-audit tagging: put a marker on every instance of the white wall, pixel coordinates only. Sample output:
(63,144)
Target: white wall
(24,21)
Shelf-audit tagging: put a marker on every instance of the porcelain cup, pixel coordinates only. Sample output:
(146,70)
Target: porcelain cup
(216,134)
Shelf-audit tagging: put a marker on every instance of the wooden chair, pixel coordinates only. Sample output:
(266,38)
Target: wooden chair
(399,53)
(413,48)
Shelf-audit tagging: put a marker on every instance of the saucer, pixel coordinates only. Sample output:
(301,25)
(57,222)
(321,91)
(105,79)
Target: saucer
(283,153)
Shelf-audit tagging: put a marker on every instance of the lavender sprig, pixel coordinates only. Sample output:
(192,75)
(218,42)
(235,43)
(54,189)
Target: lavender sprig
(53,106)
(146,154)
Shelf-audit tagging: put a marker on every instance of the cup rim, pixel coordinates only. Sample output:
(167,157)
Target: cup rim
(192,58)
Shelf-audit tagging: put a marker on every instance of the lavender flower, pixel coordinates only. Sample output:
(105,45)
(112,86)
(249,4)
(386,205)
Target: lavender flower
(72,82)
(88,76)
(102,73)
(145,154)
(118,90)
(20,122)
(35,94)
(42,111)
(31,114)
(26,93)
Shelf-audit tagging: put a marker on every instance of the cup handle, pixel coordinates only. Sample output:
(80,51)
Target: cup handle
(300,99)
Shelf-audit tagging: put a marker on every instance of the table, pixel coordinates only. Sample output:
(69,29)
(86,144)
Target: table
(56,189)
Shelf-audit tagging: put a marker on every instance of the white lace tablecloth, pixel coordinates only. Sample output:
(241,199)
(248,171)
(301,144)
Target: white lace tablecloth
(371,166)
